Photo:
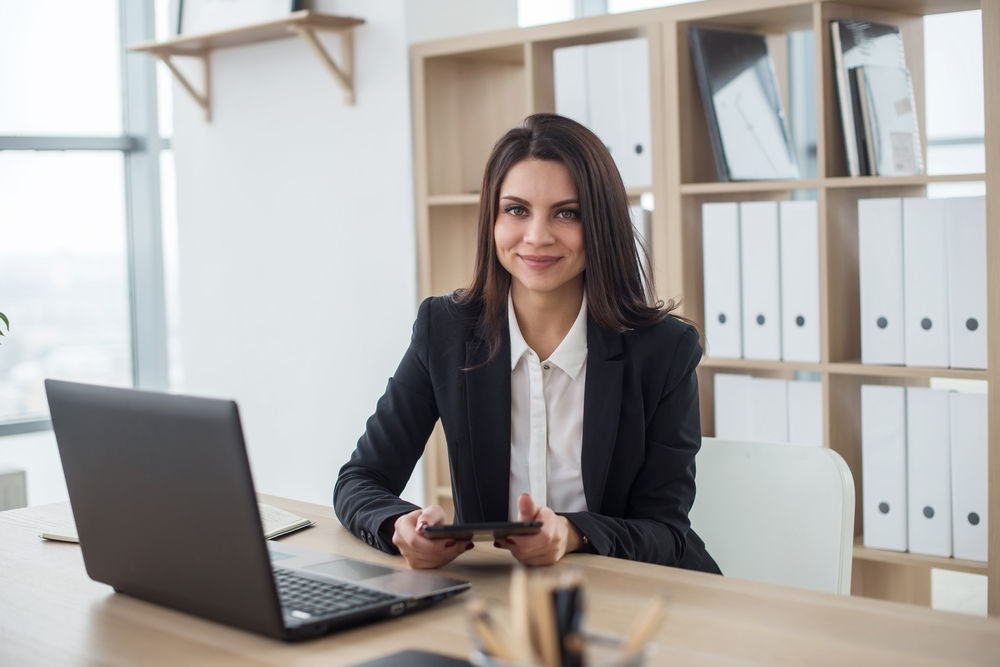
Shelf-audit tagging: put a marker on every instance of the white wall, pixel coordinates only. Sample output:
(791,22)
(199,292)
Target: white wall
(296,239)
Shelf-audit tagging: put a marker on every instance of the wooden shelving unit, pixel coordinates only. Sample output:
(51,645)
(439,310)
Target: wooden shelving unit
(303,23)
(468,91)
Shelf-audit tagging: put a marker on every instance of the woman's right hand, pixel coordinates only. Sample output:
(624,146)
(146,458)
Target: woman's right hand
(421,553)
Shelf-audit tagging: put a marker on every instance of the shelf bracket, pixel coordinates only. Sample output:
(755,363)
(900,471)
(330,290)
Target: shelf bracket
(343,74)
(203,99)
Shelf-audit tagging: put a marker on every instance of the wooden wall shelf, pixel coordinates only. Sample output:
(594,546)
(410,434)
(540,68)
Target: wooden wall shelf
(303,23)
(916,560)
(468,91)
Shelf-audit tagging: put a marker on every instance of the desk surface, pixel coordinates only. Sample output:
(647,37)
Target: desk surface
(51,613)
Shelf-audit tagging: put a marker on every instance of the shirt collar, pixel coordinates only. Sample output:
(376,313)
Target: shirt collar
(572,351)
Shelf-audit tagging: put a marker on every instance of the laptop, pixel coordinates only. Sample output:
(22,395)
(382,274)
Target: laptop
(166,511)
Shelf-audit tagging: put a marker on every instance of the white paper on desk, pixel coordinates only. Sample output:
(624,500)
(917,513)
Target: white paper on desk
(925,278)
(799,243)
(883,467)
(880,268)
(760,272)
(965,225)
(969,475)
(720,233)
(928,471)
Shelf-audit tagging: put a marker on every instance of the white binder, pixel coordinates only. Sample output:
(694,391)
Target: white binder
(925,282)
(799,225)
(759,269)
(969,483)
(720,230)
(805,413)
(636,160)
(569,68)
(883,467)
(769,409)
(880,268)
(733,411)
(928,471)
(965,226)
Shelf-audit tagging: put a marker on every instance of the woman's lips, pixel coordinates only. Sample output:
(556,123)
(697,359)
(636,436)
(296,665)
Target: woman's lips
(538,261)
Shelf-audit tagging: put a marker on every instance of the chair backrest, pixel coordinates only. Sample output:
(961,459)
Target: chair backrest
(777,513)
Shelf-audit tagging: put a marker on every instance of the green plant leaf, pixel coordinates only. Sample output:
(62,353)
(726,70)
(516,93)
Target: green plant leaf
(5,320)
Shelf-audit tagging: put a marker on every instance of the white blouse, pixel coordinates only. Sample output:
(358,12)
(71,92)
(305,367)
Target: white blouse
(546,419)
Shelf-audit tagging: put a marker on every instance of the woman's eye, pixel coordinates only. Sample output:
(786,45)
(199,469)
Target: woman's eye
(515,210)
(568,214)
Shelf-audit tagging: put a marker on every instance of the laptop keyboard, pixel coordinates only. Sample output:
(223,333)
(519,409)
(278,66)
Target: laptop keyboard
(321,598)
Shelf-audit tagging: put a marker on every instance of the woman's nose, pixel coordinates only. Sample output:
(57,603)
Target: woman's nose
(538,232)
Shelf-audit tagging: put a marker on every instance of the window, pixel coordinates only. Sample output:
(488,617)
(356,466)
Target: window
(81,248)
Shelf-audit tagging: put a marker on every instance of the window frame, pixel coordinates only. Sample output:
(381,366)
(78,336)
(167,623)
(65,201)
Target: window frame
(140,145)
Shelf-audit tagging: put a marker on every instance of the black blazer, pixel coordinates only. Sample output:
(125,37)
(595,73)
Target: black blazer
(641,431)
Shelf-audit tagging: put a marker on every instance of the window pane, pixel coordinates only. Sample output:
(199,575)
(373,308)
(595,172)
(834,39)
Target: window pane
(60,67)
(953,71)
(63,275)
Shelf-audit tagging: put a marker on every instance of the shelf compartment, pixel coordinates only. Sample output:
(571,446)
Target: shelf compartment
(304,23)
(470,101)
(916,560)
(453,241)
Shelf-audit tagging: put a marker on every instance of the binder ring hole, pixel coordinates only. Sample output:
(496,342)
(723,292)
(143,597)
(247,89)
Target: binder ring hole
(973,518)
(972,324)
(882,323)
(883,508)
(638,149)
(925,324)
(929,512)
(722,318)
(760,320)
(801,321)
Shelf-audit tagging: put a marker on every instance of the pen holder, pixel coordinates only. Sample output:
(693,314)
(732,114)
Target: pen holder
(600,650)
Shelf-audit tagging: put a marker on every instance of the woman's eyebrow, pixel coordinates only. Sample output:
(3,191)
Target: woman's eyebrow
(525,201)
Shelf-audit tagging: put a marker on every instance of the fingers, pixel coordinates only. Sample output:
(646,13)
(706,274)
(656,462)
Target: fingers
(545,547)
(420,552)
(526,510)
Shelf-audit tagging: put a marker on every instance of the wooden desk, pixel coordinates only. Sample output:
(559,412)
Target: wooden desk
(51,613)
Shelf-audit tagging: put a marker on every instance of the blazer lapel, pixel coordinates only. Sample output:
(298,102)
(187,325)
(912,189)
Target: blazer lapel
(601,409)
(488,400)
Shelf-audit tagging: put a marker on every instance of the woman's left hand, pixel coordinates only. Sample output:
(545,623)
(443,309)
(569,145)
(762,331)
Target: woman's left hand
(557,537)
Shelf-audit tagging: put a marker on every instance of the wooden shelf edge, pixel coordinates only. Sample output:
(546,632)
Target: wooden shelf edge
(462,199)
(248,34)
(892,181)
(737,187)
(904,558)
(759,365)
(844,368)
(442,492)
(837,182)
(858,368)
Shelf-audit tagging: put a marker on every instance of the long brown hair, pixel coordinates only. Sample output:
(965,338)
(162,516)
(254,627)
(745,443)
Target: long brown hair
(619,289)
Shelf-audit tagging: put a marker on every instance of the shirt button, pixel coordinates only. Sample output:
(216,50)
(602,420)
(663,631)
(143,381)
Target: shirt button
(369,539)
(546,367)
(362,533)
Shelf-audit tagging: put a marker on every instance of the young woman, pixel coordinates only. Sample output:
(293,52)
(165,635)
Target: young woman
(566,393)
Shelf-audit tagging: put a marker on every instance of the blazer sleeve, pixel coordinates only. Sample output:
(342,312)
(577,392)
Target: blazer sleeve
(655,526)
(366,496)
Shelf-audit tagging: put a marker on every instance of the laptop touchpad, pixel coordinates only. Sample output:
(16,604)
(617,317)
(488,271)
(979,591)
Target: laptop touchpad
(353,570)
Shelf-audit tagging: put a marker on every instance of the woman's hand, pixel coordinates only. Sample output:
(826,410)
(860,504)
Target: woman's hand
(557,537)
(421,553)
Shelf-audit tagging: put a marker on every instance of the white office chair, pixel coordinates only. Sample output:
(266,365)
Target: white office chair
(781,514)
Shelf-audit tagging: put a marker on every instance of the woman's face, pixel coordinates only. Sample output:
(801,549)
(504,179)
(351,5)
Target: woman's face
(538,232)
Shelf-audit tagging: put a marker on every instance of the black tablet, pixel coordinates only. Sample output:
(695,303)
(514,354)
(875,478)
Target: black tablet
(481,532)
